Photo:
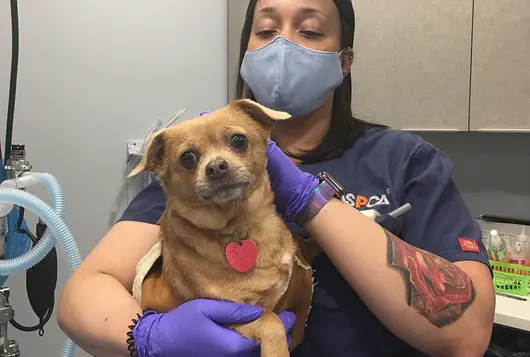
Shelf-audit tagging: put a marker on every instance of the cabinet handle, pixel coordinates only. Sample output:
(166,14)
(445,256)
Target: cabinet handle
(500,130)
(425,129)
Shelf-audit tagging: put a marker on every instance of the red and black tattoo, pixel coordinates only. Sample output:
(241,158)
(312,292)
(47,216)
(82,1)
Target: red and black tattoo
(436,288)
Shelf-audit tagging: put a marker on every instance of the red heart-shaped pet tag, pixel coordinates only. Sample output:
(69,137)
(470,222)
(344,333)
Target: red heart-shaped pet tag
(242,257)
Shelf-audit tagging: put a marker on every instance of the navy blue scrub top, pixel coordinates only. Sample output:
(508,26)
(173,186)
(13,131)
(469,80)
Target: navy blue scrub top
(383,170)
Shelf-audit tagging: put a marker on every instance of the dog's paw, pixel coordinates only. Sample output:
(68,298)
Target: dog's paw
(275,352)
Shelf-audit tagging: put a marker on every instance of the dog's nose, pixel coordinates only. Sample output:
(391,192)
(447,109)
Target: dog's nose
(216,168)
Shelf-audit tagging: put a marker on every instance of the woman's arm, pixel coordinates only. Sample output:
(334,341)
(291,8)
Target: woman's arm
(453,318)
(444,309)
(96,306)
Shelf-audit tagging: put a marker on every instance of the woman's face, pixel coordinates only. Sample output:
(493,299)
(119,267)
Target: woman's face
(314,24)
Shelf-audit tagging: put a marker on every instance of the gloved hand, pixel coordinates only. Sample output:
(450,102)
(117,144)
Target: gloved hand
(292,187)
(193,329)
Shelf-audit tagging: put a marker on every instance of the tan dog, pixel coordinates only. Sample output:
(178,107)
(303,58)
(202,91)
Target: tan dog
(220,235)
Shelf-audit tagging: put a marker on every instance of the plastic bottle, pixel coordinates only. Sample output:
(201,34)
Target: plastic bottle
(526,245)
(520,250)
(486,241)
(498,247)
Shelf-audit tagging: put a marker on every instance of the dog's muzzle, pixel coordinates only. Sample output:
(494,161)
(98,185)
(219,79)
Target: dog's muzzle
(222,182)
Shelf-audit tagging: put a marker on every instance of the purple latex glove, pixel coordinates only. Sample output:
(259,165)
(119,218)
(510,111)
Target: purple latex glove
(194,329)
(292,187)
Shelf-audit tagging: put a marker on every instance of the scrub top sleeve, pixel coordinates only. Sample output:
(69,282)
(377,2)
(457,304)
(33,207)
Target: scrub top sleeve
(439,221)
(148,205)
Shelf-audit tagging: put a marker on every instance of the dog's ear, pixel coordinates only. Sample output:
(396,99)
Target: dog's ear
(153,158)
(263,115)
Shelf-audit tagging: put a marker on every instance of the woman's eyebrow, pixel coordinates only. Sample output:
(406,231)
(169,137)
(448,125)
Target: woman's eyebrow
(310,11)
(271,11)
(305,10)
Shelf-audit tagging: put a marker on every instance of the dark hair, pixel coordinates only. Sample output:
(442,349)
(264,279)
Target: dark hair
(344,128)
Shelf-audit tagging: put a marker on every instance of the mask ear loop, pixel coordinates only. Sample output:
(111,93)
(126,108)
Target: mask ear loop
(350,58)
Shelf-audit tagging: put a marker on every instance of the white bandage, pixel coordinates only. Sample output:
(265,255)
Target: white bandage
(143,267)
(371,213)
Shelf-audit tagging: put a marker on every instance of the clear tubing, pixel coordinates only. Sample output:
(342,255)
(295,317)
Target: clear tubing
(57,227)
(20,182)
(16,243)
(68,348)
(46,244)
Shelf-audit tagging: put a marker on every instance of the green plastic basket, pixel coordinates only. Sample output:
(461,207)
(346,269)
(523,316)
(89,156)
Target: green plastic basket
(511,278)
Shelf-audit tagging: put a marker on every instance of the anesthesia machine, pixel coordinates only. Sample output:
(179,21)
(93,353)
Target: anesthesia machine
(21,249)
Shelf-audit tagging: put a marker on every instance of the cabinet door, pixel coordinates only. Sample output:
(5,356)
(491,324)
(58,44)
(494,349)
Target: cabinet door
(412,67)
(236,18)
(500,86)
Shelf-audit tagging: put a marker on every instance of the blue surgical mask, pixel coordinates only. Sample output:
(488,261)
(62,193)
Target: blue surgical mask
(287,77)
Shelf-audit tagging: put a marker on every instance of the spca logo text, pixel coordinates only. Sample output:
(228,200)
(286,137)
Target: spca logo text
(359,201)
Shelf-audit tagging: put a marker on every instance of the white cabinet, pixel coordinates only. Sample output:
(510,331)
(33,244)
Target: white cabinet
(412,63)
(500,90)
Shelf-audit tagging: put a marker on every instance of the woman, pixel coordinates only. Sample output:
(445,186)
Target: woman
(429,290)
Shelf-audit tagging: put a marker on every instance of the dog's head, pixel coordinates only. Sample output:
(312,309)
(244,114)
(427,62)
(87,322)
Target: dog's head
(215,159)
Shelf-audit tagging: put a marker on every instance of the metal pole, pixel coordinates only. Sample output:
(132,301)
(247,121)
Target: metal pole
(10,348)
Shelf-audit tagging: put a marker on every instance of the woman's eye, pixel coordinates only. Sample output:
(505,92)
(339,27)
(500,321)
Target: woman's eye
(239,142)
(310,33)
(188,160)
(265,33)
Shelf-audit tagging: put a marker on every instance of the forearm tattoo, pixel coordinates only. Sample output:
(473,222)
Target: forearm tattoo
(436,288)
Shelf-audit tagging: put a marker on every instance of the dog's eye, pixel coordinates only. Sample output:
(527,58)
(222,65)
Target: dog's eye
(239,141)
(188,160)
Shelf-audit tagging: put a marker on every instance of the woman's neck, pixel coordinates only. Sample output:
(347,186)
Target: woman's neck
(298,135)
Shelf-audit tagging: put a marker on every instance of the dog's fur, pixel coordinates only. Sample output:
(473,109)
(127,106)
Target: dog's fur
(204,213)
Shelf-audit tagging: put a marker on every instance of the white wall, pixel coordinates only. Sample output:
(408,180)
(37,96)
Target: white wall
(94,73)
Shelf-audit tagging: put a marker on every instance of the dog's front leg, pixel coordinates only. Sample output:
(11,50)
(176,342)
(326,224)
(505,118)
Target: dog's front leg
(156,295)
(269,332)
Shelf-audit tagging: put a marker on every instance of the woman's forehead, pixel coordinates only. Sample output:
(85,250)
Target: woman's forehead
(325,8)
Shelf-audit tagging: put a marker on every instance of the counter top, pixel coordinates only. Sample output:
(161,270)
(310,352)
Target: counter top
(513,313)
